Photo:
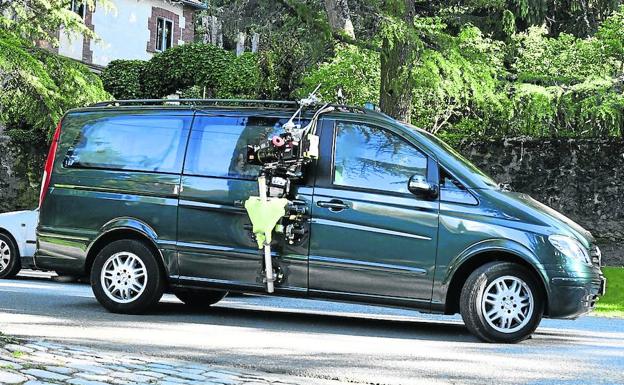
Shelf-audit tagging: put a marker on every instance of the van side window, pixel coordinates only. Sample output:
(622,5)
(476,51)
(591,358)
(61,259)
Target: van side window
(153,143)
(369,157)
(451,190)
(448,182)
(218,144)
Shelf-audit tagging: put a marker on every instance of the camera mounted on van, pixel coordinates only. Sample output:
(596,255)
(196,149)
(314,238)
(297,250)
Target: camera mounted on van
(282,159)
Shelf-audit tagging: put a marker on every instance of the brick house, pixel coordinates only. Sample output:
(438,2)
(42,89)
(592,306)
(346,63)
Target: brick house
(136,29)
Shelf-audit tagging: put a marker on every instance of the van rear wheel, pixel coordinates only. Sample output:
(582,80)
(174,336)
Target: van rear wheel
(10,263)
(502,302)
(126,277)
(199,299)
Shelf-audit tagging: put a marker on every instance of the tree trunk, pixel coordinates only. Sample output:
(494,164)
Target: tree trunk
(397,62)
(255,42)
(340,17)
(240,43)
(213,31)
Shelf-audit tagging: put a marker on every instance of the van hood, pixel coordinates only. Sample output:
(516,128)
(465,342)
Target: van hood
(524,207)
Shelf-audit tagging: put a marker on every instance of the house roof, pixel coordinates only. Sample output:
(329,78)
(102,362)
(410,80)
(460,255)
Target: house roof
(194,3)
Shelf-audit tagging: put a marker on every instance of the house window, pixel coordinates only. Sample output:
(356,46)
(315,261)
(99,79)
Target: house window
(164,34)
(78,6)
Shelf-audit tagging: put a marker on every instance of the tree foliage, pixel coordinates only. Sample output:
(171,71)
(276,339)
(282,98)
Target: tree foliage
(562,60)
(459,84)
(354,71)
(488,68)
(37,87)
(40,19)
(611,35)
(468,84)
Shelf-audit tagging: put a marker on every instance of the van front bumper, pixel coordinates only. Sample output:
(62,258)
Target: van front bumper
(572,297)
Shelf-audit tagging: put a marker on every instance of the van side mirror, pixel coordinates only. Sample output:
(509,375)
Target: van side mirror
(418,185)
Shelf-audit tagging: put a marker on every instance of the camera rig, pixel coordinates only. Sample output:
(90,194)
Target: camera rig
(282,160)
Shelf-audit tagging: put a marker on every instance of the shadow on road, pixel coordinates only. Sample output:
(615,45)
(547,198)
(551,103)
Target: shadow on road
(278,320)
(85,309)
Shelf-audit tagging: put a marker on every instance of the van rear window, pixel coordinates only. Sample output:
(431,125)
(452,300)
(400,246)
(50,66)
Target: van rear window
(218,144)
(152,143)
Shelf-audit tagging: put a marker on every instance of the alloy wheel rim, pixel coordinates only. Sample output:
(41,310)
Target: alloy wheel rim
(5,255)
(507,304)
(124,277)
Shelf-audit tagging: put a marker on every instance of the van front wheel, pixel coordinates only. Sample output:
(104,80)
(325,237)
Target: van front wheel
(126,277)
(502,302)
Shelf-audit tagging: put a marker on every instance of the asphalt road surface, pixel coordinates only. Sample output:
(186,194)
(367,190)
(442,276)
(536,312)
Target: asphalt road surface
(318,339)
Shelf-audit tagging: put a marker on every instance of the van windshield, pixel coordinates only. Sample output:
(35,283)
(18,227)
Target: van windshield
(441,146)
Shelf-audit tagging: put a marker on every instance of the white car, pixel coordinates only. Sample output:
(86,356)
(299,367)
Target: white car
(18,241)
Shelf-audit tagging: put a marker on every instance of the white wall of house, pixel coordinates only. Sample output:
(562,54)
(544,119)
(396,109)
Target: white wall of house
(70,46)
(123,32)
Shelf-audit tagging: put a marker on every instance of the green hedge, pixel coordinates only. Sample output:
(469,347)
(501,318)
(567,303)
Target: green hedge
(122,78)
(192,69)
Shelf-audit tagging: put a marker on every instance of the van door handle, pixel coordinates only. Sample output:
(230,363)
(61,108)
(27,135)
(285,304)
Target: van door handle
(334,205)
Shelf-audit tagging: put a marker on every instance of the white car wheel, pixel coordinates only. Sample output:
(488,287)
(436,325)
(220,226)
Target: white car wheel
(5,255)
(10,263)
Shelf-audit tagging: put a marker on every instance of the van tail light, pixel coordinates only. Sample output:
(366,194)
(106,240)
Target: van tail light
(47,171)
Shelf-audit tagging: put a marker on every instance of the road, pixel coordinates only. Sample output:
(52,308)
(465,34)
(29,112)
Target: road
(318,339)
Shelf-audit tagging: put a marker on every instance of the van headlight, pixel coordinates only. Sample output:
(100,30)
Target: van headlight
(570,247)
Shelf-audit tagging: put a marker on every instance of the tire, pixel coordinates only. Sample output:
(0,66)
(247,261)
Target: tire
(126,277)
(200,299)
(10,263)
(502,302)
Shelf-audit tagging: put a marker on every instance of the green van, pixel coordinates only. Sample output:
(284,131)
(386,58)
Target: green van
(147,196)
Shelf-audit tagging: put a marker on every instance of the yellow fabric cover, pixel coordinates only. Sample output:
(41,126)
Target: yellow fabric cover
(264,216)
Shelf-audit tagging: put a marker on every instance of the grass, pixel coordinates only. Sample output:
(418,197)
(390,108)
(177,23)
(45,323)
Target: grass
(4,339)
(612,304)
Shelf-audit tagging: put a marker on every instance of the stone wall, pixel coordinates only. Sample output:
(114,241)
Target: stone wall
(580,178)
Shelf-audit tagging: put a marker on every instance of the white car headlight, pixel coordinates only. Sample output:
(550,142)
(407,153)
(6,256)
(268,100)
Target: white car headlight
(570,247)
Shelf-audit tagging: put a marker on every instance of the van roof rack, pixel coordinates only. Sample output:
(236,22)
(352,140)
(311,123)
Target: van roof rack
(196,102)
(228,103)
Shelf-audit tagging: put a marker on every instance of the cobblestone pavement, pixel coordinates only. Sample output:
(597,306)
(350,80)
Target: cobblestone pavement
(36,362)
